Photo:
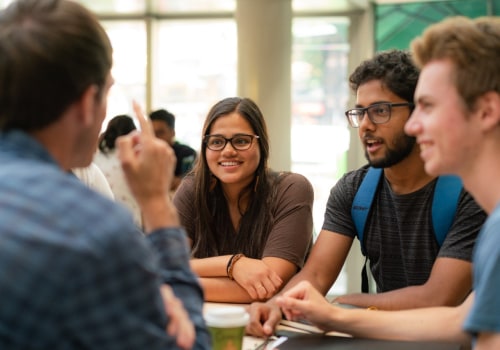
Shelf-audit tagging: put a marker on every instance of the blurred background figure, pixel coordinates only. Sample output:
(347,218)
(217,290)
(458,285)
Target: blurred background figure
(107,160)
(164,126)
(93,177)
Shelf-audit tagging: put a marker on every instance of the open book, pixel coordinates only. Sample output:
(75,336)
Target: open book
(286,326)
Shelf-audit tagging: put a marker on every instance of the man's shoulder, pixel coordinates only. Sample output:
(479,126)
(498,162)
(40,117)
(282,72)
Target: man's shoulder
(345,189)
(58,199)
(353,178)
(63,213)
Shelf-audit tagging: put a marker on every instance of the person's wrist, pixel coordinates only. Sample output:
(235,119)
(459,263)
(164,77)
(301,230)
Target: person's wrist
(159,212)
(341,319)
(231,263)
(271,303)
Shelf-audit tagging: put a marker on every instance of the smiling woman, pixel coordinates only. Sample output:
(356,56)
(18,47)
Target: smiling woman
(250,228)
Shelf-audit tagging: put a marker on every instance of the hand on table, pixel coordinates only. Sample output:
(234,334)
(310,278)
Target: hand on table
(264,318)
(303,301)
(258,279)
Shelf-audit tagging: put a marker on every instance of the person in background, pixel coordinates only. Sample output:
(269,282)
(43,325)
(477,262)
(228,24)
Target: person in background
(164,126)
(457,125)
(410,269)
(75,271)
(93,177)
(106,158)
(249,227)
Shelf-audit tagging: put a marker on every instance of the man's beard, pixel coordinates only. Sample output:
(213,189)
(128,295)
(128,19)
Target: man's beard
(403,146)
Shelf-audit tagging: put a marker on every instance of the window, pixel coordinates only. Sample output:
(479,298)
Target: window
(320,135)
(195,67)
(129,66)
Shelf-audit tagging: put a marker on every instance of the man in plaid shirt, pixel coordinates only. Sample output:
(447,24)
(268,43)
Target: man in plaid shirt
(75,272)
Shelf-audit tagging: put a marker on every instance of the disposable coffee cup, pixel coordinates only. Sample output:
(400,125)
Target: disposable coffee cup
(227,327)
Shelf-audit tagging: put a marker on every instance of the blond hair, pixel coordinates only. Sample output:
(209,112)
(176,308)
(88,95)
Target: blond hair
(472,45)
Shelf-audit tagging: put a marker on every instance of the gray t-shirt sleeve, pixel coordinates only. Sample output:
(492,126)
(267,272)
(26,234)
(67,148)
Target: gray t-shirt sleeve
(338,207)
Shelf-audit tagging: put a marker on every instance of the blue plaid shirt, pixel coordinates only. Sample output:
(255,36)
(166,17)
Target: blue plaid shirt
(75,272)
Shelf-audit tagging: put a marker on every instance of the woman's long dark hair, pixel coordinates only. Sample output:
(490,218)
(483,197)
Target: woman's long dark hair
(213,230)
(118,126)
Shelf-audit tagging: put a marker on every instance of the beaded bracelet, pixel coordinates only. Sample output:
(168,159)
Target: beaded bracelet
(230,264)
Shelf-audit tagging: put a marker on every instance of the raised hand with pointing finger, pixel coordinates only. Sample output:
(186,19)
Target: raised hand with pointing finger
(148,164)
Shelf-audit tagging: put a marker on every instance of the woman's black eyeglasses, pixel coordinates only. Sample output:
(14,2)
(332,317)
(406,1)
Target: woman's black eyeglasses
(240,142)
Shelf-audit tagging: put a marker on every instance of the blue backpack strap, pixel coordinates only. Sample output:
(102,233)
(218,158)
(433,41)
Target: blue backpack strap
(363,201)
(444,205)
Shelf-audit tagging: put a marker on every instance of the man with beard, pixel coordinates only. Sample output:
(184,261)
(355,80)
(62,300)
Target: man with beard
(408,265)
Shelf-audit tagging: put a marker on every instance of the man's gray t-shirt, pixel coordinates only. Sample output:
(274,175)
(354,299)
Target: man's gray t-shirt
(399,237)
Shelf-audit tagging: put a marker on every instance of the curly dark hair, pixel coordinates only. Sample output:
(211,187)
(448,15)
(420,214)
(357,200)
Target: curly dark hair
(118,126)
(396,70)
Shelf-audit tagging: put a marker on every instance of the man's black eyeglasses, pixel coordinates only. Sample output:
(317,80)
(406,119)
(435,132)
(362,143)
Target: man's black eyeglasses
(240,142)
(378,113)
